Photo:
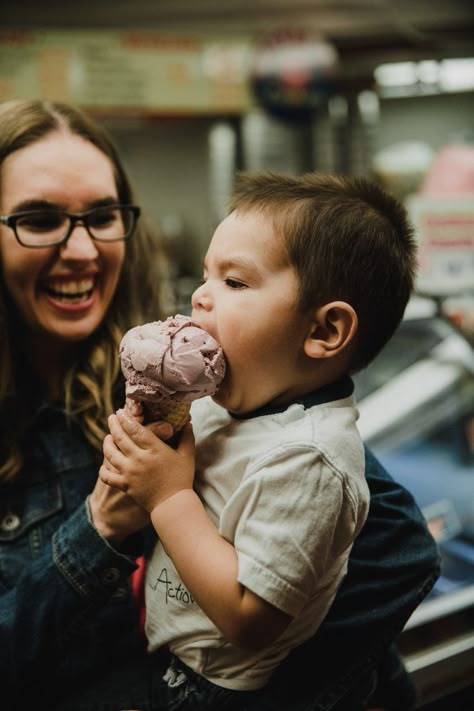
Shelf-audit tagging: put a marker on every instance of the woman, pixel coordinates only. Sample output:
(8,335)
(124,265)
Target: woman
(67,293)
(70,255)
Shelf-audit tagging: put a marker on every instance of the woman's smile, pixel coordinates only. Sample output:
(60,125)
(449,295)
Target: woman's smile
(61,292)
(70,292)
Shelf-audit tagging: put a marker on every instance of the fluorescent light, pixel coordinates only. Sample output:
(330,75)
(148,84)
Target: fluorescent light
(457,74)
(396,74)
(427,76)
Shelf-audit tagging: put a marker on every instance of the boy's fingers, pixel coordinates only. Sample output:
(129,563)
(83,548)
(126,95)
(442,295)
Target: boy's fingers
(135,409)
(186,442)
(108,447)
(112,479)
(133,432)
(122,430)
(112,453)
(163,430)
(108,465)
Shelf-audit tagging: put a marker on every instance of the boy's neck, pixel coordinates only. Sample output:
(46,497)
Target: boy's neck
(337,390)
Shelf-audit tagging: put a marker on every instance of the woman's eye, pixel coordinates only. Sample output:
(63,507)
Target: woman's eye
(234,284)
(102,219)
(41,221)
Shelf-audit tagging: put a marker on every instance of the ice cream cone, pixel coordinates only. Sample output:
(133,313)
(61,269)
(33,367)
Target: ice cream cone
(167,365)
(176,413)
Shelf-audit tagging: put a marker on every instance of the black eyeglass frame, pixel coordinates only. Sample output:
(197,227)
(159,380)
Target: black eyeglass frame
(10,221)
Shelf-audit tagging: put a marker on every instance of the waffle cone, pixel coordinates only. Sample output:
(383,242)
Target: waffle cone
(176,413)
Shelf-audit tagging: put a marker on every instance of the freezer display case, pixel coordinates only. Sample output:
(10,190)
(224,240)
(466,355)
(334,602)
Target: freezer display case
(416,404)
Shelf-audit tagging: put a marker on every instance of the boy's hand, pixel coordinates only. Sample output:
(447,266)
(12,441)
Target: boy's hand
(140,464)
(160,428)
(135,409)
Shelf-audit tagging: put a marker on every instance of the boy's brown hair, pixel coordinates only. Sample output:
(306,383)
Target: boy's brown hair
(347,239)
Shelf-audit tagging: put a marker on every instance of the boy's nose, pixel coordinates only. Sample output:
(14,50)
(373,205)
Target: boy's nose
(200,298)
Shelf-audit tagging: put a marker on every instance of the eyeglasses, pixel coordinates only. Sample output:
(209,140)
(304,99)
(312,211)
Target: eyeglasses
(48,227)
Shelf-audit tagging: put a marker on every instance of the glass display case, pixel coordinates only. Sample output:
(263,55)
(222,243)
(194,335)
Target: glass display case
(416,403)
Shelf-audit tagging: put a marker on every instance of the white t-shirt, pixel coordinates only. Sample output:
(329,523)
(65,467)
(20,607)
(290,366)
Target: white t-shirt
(288,491)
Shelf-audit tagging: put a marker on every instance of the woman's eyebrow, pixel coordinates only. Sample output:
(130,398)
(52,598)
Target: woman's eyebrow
(26,205)
(103,202)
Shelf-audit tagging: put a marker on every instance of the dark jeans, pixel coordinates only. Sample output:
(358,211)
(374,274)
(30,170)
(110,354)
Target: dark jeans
(140,687)
(158,683)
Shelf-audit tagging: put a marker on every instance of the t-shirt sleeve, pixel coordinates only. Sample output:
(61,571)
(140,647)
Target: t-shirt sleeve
(295,518)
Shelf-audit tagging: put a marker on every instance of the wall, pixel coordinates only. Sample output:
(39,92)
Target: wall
(169,161)
(434,119)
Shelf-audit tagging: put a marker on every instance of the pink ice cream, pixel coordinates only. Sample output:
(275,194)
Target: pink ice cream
(171,361)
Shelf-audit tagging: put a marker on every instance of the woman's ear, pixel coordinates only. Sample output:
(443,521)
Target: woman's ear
(332,330)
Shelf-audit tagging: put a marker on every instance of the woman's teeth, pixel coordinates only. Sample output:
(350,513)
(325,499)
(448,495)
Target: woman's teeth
(73,291)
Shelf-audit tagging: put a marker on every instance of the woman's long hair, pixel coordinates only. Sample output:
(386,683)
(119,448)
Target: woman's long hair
(93,387)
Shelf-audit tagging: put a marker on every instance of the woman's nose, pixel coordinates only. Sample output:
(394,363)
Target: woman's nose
(80,245)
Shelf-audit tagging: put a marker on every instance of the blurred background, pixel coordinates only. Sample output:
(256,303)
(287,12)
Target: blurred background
(193,90)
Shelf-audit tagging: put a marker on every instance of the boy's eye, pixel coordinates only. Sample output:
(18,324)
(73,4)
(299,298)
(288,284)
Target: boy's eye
(234,284)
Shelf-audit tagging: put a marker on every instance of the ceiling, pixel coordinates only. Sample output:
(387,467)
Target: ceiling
(365,32)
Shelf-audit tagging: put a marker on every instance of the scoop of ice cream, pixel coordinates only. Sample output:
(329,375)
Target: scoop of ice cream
(171,360)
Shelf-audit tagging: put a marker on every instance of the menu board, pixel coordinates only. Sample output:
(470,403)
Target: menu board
(137,69)
(445,231)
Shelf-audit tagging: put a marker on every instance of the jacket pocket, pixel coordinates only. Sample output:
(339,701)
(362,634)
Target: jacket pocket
(28,519)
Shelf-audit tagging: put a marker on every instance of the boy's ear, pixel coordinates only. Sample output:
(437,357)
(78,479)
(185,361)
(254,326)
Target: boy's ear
(332,329)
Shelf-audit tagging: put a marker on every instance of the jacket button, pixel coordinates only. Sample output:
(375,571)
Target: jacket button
(10,522)
(121,593)
(110,576)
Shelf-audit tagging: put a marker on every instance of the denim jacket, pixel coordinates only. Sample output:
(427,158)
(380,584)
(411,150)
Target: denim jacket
(65,600)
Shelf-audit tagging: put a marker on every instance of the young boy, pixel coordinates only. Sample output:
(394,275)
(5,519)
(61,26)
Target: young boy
(305,281)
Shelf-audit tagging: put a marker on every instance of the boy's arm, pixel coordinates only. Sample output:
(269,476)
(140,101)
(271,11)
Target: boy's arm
(207,565)
(160,479)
